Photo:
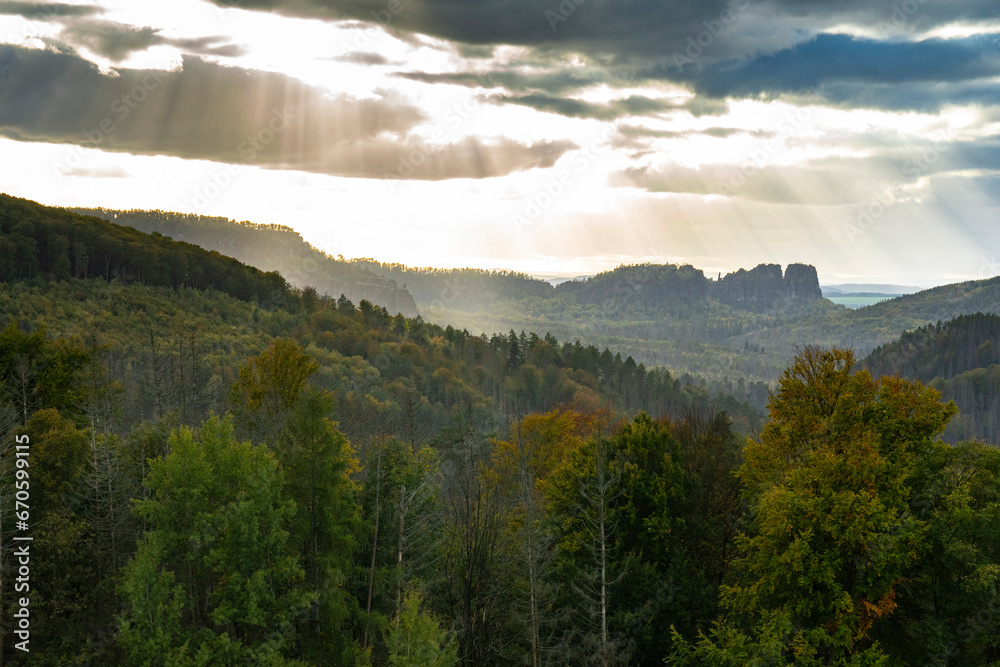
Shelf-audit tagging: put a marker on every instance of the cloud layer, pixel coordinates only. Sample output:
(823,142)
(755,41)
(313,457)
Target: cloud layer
(211,112)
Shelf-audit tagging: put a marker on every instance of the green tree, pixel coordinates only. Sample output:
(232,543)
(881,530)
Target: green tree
(315,460)
(415,639)
(37,373)
(276,405)
(585,498)
(214,580)
(947,613)
(830,540)
(265,395)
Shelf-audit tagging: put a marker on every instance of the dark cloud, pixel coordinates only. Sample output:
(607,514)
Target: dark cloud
(411,158)
(889,173)
(981,154)
(720,48)
(208,46)
(845,66)
(622,28)
(928,97)
(965,187)
(471,51)
(722,132)
(819,184)
(46,11)
(207,111)
(117,40)
(112,40)
(626,29)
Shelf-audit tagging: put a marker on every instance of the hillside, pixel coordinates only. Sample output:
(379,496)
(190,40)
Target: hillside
(663,315)
(43,243)
(164,306)
(961,359)
(742,327)
(270,248)
(300,423)
(226,475)
(647,290)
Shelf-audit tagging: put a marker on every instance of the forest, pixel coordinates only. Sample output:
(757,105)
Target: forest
(734,334)
(961,359)
(744,325)
(269,248)
(228,470)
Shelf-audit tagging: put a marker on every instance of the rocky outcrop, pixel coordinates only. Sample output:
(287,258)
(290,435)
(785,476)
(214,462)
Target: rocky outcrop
(765,285)
(801,283)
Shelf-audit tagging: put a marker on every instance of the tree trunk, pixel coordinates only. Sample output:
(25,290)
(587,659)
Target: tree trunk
(399,549)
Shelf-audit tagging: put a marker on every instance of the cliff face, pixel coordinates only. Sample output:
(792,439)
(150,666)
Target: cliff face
(764,285)
(760,285)
(801,283)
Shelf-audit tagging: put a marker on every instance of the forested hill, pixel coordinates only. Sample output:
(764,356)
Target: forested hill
(940,350)
(40,242)
(219,478)
(344,521)
(940,303)
(53,257)
(959,358)
(270,248)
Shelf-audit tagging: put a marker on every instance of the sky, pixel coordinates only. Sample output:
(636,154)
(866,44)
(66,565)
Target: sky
(554,137)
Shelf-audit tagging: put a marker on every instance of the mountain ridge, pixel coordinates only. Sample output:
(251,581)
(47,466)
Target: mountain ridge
(269,248)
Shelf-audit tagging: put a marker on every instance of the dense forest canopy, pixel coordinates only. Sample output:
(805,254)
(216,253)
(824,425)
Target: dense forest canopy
(961,359)
(228,476)
(743,326)
(37,241)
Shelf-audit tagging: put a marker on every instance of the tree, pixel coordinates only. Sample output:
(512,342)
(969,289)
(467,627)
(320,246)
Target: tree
(476,550)
(947,612)
(214,579)
(584,498)
(830,541)
(415,639)
(276,405)
(539,444)
(268,388)
(315,459)
(36,373)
